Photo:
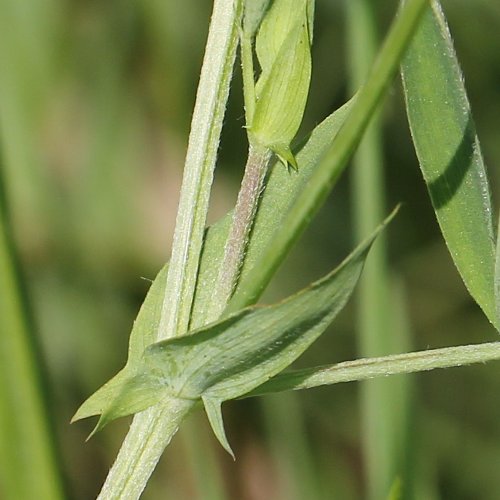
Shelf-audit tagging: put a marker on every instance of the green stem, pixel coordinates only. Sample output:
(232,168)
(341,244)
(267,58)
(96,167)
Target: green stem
(201,155)
(243,218)
(322,181)
(248,77)
(135,462)
(364,369)
(142,448)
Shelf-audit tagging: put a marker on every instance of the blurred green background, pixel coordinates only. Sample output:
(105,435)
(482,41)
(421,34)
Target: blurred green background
(95,104)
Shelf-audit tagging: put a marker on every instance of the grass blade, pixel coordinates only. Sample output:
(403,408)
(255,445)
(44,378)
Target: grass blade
(28,464)
(289,438)
(449,155)
(203,460)
(382,402)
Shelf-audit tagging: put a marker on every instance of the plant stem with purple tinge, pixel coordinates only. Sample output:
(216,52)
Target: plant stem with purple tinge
(244,214)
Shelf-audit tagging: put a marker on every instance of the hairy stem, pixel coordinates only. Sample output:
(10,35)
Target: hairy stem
(383,402)
(243,218)
(143,449)
(201,155)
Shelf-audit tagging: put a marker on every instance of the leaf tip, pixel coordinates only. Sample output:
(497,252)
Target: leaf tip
(285,156)
(100,424)
(214,414)
(84,411)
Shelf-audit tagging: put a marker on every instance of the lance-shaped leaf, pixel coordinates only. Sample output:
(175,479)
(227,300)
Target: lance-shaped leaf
(449,154)
(129,391)
(284,53)
(231,357)
(139,391)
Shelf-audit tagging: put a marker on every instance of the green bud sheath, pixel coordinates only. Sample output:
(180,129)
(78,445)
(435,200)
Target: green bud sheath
(284,53)
(252,16)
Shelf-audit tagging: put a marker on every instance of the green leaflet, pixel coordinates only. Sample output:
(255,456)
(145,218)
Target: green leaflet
(282,189)
(128,385)
(449,154)
(231,357)
(130,391)
(284,53)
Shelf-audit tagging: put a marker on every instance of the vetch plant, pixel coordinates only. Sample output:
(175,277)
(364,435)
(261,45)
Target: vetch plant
(199,338)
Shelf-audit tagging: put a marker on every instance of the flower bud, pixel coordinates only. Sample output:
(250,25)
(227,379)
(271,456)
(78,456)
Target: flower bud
(283,47)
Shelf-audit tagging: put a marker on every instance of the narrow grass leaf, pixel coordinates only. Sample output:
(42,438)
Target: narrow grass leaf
(449,154)
(29,466)
(396,491)
(382,402)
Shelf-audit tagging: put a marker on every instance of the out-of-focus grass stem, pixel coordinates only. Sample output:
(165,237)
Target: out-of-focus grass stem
(28,463)
(203,461)
(379,400)
(286,423)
